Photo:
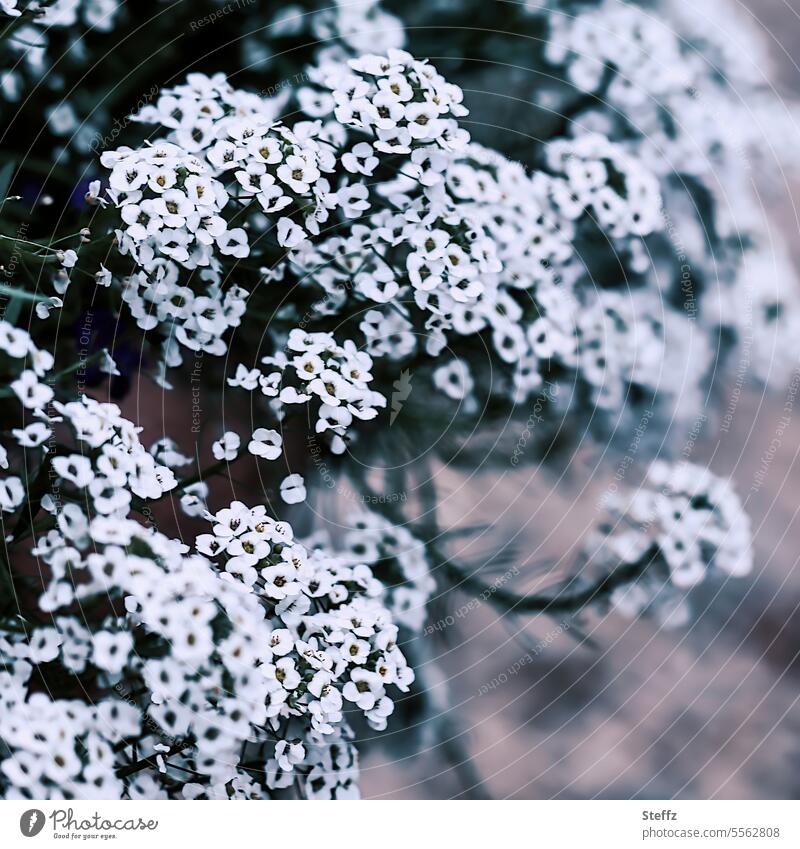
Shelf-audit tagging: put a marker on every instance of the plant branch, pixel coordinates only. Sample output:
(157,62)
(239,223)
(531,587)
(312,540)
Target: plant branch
(151,760)
(560,601)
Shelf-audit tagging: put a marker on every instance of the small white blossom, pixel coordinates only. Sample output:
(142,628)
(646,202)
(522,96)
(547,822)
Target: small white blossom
(293,489)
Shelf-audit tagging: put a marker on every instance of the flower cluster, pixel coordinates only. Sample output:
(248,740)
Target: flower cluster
(284,171)
(470,243)
(168,632)
(634,340)
(23,367)
(429,255)
(284,179)
(94,485)
(620,194)
(642,47)
(689,522)
(396,557)
(199,316)
(235,674)
(339,30)
(534,223)
(398,101)
(236,134)
(170,207)
(64,747)
(511,270)
(206,110)
(676,93)
(332,642)
(31,44)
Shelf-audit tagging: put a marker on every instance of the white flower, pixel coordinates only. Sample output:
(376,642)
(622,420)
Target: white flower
(75,468)
(364,688)
(290,235)
(67,258)
(110,650)
(44,645)
(12,494)
(289,754)
(9,7)
(31,393)
(92,196)
(454,379)
(227,447)
(103,277)
(107,364)
(14,341)
(193,499)
(33,435)
(233,243)
(244,377)
(354,199)
(360,160)
(265,443)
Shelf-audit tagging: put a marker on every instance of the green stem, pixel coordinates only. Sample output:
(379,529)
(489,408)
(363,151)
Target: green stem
(21,295)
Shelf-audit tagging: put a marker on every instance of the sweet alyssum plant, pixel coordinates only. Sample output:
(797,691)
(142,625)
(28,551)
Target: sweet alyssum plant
(310,230)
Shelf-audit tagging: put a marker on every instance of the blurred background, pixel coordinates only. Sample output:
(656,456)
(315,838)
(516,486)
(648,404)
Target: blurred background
(707,711)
